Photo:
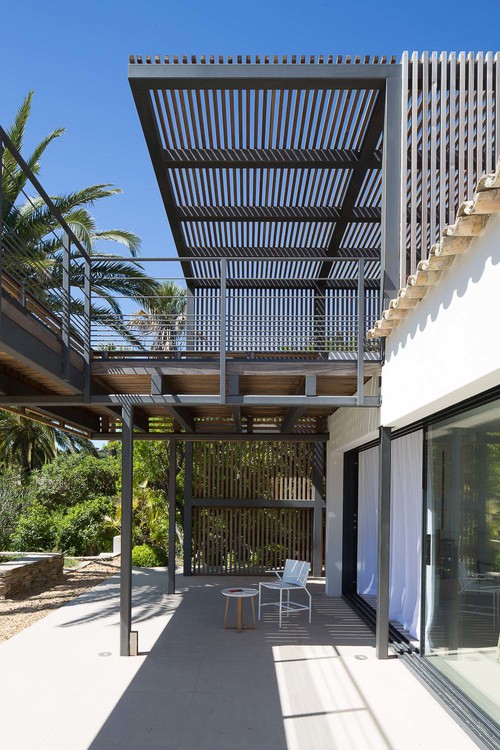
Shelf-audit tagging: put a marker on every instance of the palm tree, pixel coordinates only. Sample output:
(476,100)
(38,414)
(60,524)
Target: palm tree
(29,445)
(162,321)
(32,240)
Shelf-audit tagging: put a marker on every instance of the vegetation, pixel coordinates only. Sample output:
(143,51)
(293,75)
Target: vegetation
(162,320)
(146,556)
(30,227)
(29,445)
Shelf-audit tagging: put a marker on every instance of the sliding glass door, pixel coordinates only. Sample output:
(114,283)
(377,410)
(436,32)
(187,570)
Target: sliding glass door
(462,605)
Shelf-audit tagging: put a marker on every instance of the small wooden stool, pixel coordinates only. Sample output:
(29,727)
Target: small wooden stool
(239,594)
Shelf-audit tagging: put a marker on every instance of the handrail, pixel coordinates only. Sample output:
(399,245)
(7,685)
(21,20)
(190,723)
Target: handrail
(74,239)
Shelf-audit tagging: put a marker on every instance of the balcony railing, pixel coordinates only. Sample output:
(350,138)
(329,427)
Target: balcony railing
(44,270)
(241,308)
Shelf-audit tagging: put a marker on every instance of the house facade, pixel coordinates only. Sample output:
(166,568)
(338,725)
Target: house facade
(333,371)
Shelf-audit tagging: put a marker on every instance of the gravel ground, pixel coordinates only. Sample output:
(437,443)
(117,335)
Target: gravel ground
(24,609)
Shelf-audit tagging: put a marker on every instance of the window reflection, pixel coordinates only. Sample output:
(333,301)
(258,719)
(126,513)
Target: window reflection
(463,556)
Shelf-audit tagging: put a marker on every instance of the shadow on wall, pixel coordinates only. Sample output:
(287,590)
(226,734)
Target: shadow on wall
(467,270)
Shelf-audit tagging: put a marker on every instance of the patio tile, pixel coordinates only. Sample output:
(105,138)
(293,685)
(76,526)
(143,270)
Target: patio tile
(235,721)
(200,687)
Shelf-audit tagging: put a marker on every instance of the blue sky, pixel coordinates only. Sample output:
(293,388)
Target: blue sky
(75,56)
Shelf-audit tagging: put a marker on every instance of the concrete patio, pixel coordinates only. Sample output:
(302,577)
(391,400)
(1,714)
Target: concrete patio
(196,685)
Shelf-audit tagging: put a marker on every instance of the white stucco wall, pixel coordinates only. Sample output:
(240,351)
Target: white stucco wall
(348,429)
(448,347)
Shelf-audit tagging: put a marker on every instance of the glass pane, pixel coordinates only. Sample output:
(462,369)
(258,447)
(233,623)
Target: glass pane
(367,525)
(463,574)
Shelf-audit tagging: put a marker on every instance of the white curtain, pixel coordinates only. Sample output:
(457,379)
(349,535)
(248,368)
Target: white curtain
(406,531)
(367,521)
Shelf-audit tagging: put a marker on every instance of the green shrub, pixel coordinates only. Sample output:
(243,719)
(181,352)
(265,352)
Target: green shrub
(13,501)
(86,528)
(145,556)
(72,478)
(35,530)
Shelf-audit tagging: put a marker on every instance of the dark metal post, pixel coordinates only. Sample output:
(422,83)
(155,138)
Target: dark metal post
(190,322)
(87,324)
(384,540)
(188,510)
(319,473)
(361,332)
(126,530)
(319,322)
(1,229)
(171,517)
(66,309)
(392,186)
(222,329)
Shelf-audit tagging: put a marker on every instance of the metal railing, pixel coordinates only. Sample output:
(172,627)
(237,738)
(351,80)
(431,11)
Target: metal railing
(238,309)
(44,270)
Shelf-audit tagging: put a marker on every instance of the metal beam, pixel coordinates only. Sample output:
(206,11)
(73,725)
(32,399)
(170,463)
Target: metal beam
(270,254)
(158,388)
(171,517)
(351,214)
(308,388)
(86,420)
(244,503)
(271,158)
(25,348)
(370,142)
(191,400)
(392,188)
(329,368)
(384,544)
(227,437)
(291,283)
(262,77)
(152,137)
(126,531)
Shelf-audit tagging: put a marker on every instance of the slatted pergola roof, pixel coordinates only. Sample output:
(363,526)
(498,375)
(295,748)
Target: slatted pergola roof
(259,158)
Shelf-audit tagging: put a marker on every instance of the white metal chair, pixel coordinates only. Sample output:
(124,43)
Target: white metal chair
(294,577)
(475,585)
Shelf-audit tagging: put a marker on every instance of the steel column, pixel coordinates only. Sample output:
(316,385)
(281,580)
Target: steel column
(171,517)
(361,333)
(391,190)
(384,540)
(318,478)
(126,531)
(222,329)
(190,331)
(66,309)
(87,324)
(188,509)
(1,226)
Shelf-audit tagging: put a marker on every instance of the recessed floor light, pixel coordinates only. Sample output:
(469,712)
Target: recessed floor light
(361,657)
(105,653)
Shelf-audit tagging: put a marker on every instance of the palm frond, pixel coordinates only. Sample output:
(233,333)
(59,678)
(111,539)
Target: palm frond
(131,241)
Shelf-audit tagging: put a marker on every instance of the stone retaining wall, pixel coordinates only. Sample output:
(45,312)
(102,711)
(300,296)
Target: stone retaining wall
(38,569)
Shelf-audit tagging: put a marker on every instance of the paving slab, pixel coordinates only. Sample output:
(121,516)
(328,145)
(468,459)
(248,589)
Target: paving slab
(196,686)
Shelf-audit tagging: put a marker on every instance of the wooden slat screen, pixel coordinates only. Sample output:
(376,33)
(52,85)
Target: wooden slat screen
(453,134)
(256,471)
(248,541)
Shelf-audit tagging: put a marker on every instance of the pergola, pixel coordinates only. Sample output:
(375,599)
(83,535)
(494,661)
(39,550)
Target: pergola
(282,183)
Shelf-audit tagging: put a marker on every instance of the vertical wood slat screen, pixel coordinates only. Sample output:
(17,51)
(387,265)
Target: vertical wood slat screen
(249,541)
(256,471)
(452,139)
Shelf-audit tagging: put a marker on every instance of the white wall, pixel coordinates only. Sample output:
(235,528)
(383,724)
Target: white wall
(447,348)
(348,429)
